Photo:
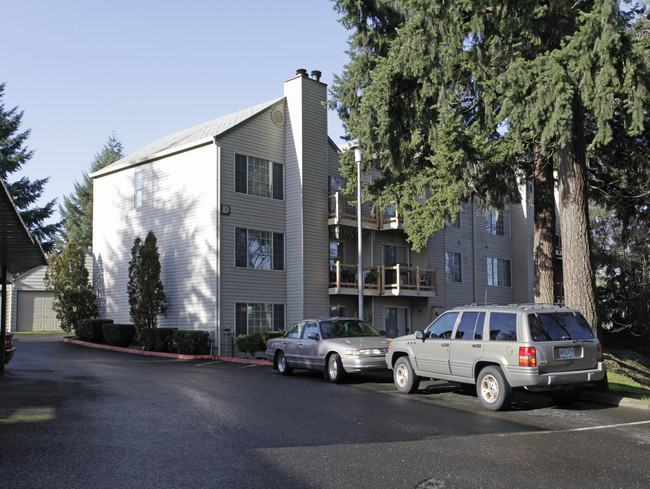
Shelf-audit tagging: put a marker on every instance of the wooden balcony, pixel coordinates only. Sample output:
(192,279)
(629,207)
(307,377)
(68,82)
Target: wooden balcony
(398,280)
(343,211)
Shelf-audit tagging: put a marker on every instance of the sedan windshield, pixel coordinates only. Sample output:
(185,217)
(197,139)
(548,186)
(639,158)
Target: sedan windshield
(345,328)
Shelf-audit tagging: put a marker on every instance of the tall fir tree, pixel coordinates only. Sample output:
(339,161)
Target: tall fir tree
(77,208)
(145,289)
(459,100)
(14,155)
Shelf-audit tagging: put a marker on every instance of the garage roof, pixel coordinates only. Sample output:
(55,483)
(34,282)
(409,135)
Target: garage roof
(18,249)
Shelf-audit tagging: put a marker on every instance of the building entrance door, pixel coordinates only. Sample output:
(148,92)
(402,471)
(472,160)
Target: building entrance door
(395,322)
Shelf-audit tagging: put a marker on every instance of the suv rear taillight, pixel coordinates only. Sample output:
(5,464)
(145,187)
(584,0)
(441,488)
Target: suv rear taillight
(600,353)
(527,356)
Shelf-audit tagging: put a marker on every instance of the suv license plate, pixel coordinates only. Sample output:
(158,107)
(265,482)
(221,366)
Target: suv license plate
(566,352)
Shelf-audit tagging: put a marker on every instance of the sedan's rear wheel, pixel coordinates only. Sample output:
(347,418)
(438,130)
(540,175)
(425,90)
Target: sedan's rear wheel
(335,372)
(493,389)
(281,363)
(404,376)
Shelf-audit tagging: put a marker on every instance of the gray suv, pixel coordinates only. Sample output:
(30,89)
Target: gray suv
(498,348)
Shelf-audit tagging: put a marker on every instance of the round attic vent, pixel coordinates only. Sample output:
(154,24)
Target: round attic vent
(277,116)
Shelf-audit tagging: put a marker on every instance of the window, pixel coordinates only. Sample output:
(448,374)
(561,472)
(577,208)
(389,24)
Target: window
(498,223)
(471,326)
(336,252)
(255,176)
(443,326)
(251,317)
(498,272)
(394,254)
(453,267)
(259,250)
(503,326)
(310,328)
(137,189)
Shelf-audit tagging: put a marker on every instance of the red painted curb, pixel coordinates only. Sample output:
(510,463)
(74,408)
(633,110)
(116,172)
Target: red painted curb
(164,355)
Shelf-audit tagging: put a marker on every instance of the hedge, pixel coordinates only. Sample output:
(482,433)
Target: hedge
(192,342)
(91,329)
(254,342)
(158,339)
(118,334)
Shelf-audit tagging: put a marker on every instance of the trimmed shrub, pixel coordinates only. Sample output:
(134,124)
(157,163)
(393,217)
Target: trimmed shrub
(91,329)
(254,342)
(158,339)
(192,342)
(118,334)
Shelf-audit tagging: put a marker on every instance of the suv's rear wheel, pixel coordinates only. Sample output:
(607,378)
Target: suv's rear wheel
(493,389)
(566,395)
(404,376)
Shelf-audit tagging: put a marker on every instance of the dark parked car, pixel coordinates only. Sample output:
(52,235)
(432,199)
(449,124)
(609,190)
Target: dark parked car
(9,346)
(335,346)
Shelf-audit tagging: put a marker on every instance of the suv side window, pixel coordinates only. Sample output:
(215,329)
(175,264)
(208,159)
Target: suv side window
(443,326)
(471,326)
(503,326)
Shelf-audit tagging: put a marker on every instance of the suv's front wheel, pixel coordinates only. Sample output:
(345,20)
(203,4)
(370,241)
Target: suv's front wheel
(404,376)
(493,389)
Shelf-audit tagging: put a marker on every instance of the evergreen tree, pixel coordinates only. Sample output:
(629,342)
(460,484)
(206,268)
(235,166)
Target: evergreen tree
(145,289)
(77,208)
(14,154)
(459,99)
(67,277)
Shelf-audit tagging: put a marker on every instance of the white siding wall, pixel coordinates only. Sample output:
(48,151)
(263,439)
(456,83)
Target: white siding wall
(179,206)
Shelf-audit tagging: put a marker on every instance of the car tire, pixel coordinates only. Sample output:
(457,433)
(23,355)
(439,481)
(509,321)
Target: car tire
(566,395)
(335,372)
(404,376)
(281,364)
(493,389)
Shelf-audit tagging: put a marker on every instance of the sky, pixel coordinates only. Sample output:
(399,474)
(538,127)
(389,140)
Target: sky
(81,70)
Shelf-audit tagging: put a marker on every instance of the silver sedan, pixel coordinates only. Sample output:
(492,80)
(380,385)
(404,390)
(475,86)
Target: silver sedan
(336,346)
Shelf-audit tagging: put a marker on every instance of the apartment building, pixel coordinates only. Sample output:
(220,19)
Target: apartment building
(254,234)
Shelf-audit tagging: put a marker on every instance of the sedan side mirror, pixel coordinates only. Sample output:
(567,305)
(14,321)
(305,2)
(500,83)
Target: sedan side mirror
(313,336)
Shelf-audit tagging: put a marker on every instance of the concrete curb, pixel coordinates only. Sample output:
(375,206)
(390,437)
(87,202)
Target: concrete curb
(616,401)
(177,356)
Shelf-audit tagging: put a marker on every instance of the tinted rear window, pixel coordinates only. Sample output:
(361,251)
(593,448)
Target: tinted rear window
(558,326)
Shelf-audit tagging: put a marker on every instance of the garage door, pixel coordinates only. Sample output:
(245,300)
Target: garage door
(35,311)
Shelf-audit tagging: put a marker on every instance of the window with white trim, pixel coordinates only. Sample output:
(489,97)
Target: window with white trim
(254,317)
(498,222)
(259,250)
(137,189)
(498,272)
(259,177)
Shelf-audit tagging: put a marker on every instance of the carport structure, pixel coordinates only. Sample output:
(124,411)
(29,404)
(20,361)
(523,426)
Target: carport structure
(18,251)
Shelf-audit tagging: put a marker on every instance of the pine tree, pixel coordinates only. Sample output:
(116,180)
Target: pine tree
(67,277)
(14,154)
(145,289)
(77,208)
(456,99)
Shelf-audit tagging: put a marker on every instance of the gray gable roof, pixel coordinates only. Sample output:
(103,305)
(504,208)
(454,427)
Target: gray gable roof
(187,138)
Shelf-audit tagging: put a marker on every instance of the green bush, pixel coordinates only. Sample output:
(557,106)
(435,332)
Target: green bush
(118,334)
(158,339)
(192,342)
(91,329)
(254,342)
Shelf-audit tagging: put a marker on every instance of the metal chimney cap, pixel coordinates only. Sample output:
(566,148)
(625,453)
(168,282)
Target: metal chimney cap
(301,71)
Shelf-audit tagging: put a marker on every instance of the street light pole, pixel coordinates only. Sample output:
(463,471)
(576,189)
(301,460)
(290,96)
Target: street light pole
(358,156)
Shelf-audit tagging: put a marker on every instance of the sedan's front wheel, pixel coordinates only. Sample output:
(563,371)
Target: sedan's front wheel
(281,363)
(404,376)
(335,372)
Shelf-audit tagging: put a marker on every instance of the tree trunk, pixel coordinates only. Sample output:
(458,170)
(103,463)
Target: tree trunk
(574,223)
(544,208)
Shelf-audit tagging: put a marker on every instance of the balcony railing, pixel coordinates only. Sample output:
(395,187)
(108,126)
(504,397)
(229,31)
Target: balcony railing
(382,280)
(343,210)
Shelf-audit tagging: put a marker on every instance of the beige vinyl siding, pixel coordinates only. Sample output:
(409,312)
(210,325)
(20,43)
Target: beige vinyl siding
(260,138)
(522,252)
(179,206)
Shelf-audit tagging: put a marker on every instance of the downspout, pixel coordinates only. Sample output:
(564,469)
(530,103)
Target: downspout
(217,303)
(474,249)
